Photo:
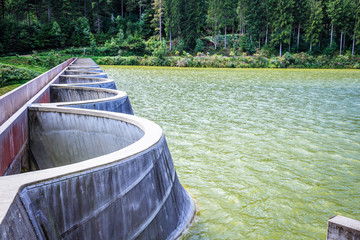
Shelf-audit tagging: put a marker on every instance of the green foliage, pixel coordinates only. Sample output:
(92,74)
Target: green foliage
(314,23)
(14,74)
(161,50)
(288,60)
(113,28)
(81,35)
(180,47)
(199,45)
(282,22)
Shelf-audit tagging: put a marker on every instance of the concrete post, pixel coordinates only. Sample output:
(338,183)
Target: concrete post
(343,228)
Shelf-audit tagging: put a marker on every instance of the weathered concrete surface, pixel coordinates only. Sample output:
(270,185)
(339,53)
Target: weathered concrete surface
(84,62)
(87,82)
(130,193)
(84,73)
(85,69)
(13,119)
(91,98)
(343,228)
(105,175)
(59,93)
(58,139)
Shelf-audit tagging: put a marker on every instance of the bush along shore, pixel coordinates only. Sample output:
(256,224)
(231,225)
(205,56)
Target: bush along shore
(300,60)
(17,70)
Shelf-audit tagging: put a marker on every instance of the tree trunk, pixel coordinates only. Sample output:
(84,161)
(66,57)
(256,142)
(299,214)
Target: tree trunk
(215,36)
(29,13)
(140,12)
(267,32)
(98,24)
(160,21)
(298,39)
(225,35)
(332,33)
(353,46)
(280,49)
(290,40)
(170,38)
(3,8)
(341,39)
(85,8)
(49,17)
(310,45)
(122,9)
(259,43)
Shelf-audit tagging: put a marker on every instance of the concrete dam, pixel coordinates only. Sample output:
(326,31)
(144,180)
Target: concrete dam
(75,163)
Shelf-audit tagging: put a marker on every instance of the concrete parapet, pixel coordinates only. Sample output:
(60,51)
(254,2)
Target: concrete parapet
(14,122)
(343,228)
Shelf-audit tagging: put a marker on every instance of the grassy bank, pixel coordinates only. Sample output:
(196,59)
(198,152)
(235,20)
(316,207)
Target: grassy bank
(17,70)
(301,60)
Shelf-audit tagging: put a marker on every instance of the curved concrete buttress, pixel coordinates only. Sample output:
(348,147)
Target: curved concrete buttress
(80,73)
(90,98)
(87,82)
(85,69)
(128,190)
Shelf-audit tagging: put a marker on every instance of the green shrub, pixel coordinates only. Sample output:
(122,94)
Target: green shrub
(199,47)
(11,73)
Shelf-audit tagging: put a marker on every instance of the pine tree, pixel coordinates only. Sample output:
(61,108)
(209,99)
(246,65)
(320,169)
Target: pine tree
(158,14)
(339,13)
(213,18)
(241,15)
(314,23)
(227,15)
(255,19)
(193,22)
(301,15)
(282,21)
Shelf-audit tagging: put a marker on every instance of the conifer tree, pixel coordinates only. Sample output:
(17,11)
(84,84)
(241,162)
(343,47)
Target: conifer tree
(213,18)
(157,18)
(314,23)
(255,19)
(282,21)
(301,15)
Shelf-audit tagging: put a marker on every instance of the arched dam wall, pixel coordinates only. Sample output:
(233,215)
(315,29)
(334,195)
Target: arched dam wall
(98,171)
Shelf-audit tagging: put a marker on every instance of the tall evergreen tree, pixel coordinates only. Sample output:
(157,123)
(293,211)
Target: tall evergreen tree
(339,13)
(158,7)
(282,21)
(213,18)
(241,15)
(193,23)
(256,19)
(301,15)
(314,23)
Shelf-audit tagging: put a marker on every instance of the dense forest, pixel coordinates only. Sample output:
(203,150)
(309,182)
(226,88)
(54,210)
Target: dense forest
(139,27)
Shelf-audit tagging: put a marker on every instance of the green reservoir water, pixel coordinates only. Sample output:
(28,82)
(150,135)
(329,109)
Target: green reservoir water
(267,154)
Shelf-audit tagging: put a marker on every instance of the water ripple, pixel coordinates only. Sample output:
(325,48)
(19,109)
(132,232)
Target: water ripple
(267,154)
